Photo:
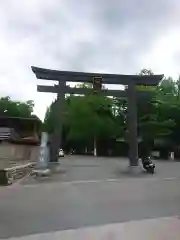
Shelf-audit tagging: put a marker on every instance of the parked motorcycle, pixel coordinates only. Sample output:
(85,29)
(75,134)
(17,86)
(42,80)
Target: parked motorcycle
(148,165)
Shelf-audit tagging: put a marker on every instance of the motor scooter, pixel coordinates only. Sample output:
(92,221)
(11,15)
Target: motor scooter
(148,165)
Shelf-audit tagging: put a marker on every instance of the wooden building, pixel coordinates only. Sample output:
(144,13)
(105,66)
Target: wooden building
(19,138)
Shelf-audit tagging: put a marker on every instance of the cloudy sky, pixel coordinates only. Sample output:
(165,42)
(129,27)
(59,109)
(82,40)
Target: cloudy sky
(113,36)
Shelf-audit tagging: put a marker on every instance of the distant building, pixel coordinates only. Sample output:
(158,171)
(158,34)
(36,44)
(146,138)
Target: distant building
(20,130)
(19,138)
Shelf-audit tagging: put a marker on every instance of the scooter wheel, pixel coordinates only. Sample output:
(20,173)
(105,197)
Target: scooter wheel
(152,171)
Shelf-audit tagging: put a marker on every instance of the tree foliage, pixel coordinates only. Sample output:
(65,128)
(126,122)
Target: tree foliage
(90,116)
(49,120)
(12,108)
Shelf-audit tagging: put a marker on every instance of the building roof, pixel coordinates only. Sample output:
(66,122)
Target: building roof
(21,118)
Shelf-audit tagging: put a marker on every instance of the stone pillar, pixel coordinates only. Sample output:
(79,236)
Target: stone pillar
(132,124)
(56,140)
(43,159)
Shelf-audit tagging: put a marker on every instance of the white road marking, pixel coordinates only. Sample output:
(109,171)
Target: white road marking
(118,180)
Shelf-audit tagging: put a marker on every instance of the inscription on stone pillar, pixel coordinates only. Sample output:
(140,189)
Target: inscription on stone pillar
(43,160)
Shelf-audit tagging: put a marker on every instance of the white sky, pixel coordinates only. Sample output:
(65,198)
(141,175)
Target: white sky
(84,35)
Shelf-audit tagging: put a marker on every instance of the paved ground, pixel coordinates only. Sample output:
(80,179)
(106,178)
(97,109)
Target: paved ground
(156,229)
(112,197)
(80,168)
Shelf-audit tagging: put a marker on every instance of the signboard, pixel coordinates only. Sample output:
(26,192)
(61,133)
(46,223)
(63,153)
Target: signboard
(43,159)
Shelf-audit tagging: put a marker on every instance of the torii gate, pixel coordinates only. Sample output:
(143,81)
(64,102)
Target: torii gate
(131,93)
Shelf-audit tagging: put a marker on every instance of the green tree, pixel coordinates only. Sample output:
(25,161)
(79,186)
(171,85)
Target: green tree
(146,71)
(154,122)
(12,108)
(49,120)
(168,100)
(87,85)
(90,117)
(86,119)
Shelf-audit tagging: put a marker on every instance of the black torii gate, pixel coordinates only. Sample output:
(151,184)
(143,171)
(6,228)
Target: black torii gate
(67,76)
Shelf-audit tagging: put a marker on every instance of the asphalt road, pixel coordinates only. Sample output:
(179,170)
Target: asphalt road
(80,168)
(38,208)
